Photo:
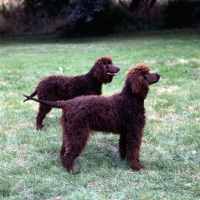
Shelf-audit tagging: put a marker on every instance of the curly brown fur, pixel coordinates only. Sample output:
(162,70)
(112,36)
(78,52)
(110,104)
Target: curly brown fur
(122,113)
(53,88)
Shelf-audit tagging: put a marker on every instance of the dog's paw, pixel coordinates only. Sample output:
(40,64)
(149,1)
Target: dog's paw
(39,127)
(72,171)
(137,166)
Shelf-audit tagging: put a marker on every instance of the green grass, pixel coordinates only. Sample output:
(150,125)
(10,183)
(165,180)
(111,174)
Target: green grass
(30,167)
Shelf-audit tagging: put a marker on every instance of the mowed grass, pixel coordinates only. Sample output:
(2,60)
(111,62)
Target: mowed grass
(30,167)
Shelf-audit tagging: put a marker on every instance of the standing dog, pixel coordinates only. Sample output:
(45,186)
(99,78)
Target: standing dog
(53,88)
(122,113)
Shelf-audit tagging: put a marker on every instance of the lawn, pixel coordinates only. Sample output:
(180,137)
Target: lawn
(30,167)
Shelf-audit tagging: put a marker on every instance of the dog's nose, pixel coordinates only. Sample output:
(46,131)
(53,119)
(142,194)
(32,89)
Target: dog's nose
(118,68)
(158,76)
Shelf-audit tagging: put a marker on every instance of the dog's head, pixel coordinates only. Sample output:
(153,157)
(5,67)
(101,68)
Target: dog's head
(104,70)
(140,78)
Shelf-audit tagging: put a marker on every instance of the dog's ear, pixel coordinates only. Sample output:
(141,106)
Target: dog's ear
(138,84)
(99,72)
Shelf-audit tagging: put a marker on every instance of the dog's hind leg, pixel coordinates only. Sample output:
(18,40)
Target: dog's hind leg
(73,144)
(43,110)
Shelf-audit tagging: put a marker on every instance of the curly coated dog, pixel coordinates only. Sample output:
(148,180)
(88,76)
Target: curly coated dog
(122,113)
(53,88)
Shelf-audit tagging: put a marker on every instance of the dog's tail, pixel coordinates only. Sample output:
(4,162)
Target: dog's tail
(56,104)
(32,95)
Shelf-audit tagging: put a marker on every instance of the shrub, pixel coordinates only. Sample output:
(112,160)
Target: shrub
(12,18)
(44,8)
(80,16)
(149,18)
(89,16)
(178,13)
(144,14)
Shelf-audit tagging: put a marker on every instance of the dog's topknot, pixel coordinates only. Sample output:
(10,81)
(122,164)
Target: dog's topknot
(142,68)
(103,60)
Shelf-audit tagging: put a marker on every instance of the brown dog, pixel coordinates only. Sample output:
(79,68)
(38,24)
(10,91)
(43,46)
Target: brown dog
(122,113)
(53,88)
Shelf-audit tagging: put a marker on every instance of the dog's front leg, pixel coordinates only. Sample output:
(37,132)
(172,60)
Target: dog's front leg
(133,143)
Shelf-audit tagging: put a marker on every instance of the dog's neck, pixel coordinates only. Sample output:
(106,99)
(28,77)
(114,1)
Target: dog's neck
(128,92)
